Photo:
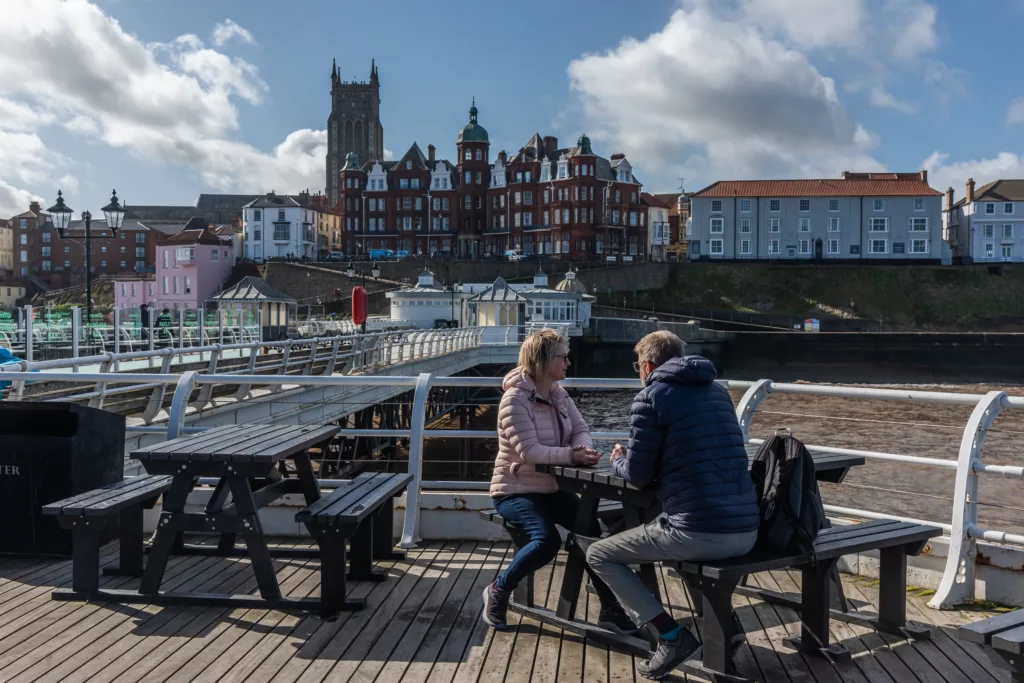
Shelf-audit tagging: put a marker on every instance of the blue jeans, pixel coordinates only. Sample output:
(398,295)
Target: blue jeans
(538,513)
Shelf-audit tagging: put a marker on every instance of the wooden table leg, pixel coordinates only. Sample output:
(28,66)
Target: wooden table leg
(815,586)
(165,535)
(226,544)
(256,544)
(572,576)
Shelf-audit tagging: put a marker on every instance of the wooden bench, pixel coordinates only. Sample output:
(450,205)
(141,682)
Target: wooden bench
(1003,638)
(89,515)
(361,514)
(713,584)
(608,511)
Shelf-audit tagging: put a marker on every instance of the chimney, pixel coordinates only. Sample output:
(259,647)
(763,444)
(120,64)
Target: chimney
(949,199)
(35,208)
(970,190)
(846,175)
(924,176)
(502,157)
(550,144)
(430,155)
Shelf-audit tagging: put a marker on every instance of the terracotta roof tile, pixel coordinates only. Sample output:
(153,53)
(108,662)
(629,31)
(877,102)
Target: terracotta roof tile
(875,185)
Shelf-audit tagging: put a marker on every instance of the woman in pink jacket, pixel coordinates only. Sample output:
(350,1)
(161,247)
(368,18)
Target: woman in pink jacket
(539,424)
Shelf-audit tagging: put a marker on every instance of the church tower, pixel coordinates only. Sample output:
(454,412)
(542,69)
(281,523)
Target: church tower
(354,125)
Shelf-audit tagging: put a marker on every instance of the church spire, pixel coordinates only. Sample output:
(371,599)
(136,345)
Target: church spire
(373,71)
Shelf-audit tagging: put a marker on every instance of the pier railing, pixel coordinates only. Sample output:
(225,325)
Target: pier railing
(958,580)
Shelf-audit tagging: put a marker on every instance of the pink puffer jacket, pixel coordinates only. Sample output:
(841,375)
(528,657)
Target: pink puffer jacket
(532,433)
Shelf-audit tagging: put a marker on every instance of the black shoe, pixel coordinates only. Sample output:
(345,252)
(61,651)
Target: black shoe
(495,606)
(669,655)
(615,619)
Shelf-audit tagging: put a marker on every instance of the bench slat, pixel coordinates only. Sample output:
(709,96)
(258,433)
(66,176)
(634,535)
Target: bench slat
(76,504)
(360,486)
(981,632)
(283,437)
(355,512)
(127,499)
(1011,641)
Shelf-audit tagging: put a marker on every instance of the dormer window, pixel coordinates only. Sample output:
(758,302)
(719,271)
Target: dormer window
(408,165)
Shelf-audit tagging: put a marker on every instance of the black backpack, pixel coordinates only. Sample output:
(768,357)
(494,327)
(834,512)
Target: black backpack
(788,496)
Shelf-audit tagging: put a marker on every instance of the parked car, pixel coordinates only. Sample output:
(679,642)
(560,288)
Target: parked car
(336,256)
(381,254)
(512,255)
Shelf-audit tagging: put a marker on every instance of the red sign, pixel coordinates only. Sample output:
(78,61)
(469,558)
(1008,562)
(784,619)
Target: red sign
(358,305)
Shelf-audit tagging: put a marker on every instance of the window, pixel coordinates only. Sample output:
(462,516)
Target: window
(717,225)
(918,204)
(47,265)
(988,231)
(46,252)
(444,203)
(281,232)
(833,205)
(517,219)
(67,250)
(528,198)
(990,208)
(185,254)
(878,224)
(166,286)
(124,249)
(47,236)
(215,255)
(517,198)
(745,247)
(879,205)
(408,165)
(990,250)
(805,225)
(716,247)
(716,204)
(745,225)
(744,206)
(479,155)
(833,246)
(257,215)
(918,225)
(805,246)
(140,238)
(547,197)
(774,224)
(407,223)
(167,257)
(188,284)
(403,184)
(918,246)
(406,203)
(805,204)
(773,246)
(280,214)
(1008,208)
(1008,231)
(419,203)
(527,219)
(469,155)
(469,177)
(469,202)
(140,252)
(879,246)
(833,224)
(479,178)
(177,282)
(775,205)
(24,239)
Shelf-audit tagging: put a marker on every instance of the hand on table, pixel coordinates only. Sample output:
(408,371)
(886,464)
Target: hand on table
(618,452)
(587,457)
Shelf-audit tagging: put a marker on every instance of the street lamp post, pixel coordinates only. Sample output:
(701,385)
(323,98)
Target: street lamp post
(61,216)
(457,285)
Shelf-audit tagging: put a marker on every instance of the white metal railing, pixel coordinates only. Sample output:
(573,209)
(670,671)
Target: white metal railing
(957,584)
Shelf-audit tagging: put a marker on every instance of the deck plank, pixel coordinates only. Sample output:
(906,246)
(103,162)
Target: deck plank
(421,625)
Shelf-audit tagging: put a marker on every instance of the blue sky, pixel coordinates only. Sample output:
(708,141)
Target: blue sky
(164,99)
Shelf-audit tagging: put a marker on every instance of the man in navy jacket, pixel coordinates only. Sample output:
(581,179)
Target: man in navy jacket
(685,440)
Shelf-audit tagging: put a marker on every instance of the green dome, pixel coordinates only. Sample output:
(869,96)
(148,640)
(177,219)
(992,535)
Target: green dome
(473,131)
(351,162)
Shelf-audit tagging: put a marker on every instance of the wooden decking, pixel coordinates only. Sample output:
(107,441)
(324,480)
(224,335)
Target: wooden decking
(422,624)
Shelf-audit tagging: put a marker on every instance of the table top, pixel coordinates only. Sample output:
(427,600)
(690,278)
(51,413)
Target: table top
(602,472)
(246,443)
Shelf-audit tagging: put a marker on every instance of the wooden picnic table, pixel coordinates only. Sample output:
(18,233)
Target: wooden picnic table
(594,484)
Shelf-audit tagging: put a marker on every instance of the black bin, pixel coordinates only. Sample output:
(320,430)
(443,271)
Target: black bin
(51,451)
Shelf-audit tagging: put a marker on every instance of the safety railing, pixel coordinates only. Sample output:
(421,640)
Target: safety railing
(958,581)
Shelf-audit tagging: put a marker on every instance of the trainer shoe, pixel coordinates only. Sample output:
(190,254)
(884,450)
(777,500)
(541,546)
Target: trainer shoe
(669,655)
(615,619)
(495,606)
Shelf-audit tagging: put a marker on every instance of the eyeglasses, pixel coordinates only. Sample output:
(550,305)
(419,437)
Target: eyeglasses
(563,355)
(636,366)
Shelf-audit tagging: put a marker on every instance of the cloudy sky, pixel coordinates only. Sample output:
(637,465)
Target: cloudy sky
(164,99)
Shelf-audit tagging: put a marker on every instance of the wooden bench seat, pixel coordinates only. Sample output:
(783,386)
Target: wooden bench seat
(1003,639)
(361,514)
(713,584)
(89,515)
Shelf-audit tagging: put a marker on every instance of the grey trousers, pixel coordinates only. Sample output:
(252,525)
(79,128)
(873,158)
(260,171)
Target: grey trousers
(653,542)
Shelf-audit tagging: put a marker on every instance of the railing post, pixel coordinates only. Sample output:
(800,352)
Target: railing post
(179,404)
(97,401)
(749,404)
(329,370)
(156,399)
(76,329)
(29,334)
(411,528)
(243,389)
(957,585)
(206,393)
(117,330)
(283,370)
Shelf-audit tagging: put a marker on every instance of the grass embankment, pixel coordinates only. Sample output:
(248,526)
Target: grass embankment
(936,298)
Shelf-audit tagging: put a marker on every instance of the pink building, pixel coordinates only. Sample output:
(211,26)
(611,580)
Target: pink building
(191,267)
(132,292)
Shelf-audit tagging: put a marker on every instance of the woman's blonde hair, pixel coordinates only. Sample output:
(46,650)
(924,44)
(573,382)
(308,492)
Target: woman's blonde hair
(539,351)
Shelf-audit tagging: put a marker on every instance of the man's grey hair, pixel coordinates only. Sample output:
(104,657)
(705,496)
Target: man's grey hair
(660,347)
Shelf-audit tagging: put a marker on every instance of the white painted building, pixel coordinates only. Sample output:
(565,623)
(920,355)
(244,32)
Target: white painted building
(659,232)
(278,226)
(987,224)
(427,304)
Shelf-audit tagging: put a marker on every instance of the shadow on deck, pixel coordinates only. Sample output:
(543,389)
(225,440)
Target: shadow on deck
(422,624)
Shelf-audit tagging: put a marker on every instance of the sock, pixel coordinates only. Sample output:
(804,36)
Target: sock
(667,627)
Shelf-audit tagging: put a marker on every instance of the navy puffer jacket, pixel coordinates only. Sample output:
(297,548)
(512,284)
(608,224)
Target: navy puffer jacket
(683,435)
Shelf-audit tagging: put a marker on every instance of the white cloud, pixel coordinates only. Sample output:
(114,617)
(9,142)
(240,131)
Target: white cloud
(14,200)
(1015,114)
(910,26)
(711,98)
(227,29)
(942,174)
(945,81)
(812,23)
(879,97)
(66,62)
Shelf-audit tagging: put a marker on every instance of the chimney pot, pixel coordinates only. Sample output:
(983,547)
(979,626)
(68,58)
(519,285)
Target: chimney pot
(949,199)
(924,175)
(846,175)
(550,144)
(430,155)
(970,190)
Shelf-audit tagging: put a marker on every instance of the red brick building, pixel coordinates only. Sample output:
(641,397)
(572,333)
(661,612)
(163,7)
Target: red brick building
(562,202)
(40,251)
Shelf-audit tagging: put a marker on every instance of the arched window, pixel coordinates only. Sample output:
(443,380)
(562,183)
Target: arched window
(469,155)
(479,155)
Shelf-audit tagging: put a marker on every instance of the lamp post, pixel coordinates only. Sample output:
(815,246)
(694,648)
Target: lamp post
(457,285)
(61,217)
